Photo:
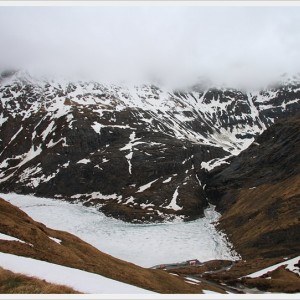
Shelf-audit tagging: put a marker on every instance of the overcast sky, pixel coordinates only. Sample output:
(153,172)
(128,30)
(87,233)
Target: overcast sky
(175,44)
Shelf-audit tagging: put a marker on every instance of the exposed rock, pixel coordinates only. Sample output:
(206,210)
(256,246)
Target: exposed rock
(139,153)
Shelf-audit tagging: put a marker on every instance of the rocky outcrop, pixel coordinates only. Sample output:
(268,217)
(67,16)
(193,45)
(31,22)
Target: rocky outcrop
(139,153)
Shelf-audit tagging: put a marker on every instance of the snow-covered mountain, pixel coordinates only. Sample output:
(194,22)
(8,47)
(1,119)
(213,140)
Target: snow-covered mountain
(139,152)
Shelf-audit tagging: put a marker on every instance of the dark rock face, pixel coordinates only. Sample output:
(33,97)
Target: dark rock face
(259,193)
(139,153)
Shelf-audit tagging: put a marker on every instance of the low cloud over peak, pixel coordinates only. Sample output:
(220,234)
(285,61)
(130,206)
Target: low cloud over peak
(175,44)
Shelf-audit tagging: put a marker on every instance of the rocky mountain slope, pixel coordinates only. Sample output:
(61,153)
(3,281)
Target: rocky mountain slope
(259,193)
(141,153)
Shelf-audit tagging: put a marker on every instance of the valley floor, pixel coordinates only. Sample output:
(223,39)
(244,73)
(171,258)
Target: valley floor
(145,245)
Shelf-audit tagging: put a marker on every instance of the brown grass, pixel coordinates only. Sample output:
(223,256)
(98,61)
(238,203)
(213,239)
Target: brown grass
(242,268)
(75,253)
(265,222)
(279,280)
(14,283)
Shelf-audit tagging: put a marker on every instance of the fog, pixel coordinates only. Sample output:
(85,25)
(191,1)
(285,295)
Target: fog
(171,44)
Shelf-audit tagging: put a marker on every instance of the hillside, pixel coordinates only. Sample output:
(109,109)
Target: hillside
(58,247)
(12,283)
(259,192)
(138,153)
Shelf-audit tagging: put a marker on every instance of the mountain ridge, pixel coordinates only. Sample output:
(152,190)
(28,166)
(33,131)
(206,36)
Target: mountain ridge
(141,154)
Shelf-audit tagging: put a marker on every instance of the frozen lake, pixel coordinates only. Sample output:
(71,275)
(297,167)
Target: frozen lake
(144,245)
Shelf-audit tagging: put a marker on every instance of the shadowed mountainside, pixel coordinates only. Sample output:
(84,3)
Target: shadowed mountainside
(259,194)
(138,153)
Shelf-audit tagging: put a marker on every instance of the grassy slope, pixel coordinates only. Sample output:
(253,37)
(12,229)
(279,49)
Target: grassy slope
(73,252)
(267,219)
(14,283)
(277,281)
(259,193)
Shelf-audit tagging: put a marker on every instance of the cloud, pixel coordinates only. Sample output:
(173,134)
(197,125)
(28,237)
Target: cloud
(176,44)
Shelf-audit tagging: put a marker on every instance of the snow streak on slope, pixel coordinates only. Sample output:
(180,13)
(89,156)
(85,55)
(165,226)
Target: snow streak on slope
(10,238)
(145,245)
(173,112)
(81,281)
(289,264)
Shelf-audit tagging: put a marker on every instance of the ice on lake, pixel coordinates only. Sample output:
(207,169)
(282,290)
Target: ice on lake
(145,245)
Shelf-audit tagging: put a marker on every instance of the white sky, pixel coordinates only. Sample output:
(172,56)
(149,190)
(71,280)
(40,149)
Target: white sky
(174,44)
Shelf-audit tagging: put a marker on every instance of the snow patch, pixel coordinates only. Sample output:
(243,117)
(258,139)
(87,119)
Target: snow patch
(10,238)
(132,143)
(48,130)
(209,292)
(97,127)
(288,263)
(84,161)
(167,180)
(58,241)
(173,204)
(96,195)
(210,165)
(145,186)
(82,281)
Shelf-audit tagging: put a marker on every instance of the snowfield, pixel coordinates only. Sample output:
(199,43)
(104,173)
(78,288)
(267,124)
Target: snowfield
(81,281)
(145,245)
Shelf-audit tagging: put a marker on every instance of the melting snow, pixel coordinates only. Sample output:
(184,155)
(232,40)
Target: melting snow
(82,281)
(129,157)
(52,143)
(84,161)
(167,180)
(97,127)
(193,279)
(31,154)
(129,200)
(10,238)
(173,204)
(66,164)
(48,130)
(145,186)
(132,142)
(210,292)
(96,195)
(2,119)
(210,165)
(58,241)
(288,263)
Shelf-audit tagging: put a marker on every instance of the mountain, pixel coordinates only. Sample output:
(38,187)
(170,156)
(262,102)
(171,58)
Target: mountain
(139,153)
(258,194)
